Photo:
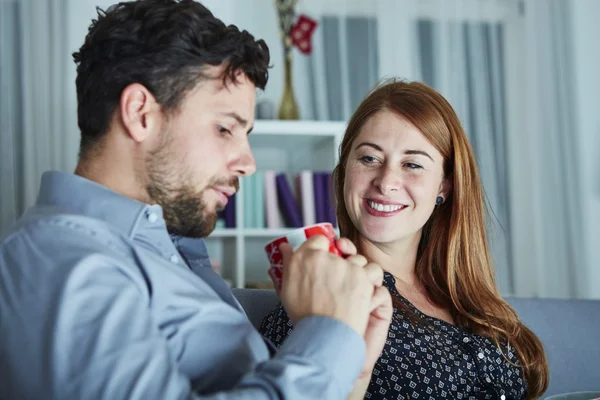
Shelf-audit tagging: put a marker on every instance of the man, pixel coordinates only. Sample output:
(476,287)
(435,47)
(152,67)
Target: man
(105,286)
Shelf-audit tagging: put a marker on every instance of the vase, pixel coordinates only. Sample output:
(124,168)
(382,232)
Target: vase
(288,109)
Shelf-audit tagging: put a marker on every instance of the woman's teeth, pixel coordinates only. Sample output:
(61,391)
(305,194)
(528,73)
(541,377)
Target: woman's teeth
(384,208)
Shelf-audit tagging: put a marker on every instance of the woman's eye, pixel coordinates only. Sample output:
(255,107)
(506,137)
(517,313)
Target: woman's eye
(368,159)
(412,166)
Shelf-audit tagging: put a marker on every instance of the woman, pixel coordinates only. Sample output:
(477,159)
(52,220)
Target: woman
(410,198)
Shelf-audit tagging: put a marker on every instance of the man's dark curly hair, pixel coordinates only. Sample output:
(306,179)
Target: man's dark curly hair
(164,45)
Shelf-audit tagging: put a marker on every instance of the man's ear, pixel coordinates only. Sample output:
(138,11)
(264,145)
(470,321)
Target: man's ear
(141,114)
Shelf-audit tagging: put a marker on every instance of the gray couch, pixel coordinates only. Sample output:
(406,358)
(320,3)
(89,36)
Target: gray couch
(569,330)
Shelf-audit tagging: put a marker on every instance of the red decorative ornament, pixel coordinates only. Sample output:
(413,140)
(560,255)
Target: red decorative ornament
(302,32)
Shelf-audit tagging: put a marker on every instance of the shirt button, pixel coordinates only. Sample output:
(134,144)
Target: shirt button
(152,218)
(174,259)
(503,397)
(481,356)
(466,340)
(488,380)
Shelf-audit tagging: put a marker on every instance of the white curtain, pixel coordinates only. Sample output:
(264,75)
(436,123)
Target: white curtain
(546,181)
(37,102)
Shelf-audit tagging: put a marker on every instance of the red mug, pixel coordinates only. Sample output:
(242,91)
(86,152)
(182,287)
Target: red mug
(296,238)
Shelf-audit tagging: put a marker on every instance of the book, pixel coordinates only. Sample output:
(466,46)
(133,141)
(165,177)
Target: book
(271,204)
(247,191)
(259,199)
(287,203)
(319,197)
(306,197)
(229,212)
(329,209)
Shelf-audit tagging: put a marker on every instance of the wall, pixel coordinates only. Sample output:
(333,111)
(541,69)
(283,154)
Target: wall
(260,19)
(586,32)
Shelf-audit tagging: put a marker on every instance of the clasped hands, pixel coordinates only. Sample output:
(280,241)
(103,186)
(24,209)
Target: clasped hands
(349,289)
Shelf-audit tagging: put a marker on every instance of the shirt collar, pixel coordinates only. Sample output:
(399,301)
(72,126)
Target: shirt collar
(76,194)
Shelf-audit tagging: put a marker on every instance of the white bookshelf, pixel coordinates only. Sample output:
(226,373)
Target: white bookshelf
(283,146)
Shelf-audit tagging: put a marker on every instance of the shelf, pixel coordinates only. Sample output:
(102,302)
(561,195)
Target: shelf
(280,146)
(266,233)
(223,233)
(253,232)
(303,128)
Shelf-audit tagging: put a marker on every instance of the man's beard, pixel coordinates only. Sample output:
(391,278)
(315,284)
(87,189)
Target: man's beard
(184,211)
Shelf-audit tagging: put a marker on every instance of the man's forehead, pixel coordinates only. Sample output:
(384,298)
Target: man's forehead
(218,89)
(220,79)
(224,96)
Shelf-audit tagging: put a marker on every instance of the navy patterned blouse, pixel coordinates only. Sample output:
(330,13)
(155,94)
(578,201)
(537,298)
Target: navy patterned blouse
(430,360)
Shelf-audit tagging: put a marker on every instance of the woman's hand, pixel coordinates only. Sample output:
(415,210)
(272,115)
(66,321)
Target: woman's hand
(375,337)
(274,279)
(377,328)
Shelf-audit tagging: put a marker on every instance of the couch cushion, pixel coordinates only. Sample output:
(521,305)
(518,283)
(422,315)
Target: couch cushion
(570,332)
(257,303)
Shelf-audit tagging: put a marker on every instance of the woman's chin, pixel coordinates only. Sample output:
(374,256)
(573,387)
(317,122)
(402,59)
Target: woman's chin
(385,234)
(380,235)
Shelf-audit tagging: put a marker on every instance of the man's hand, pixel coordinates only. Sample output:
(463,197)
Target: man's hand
(316,282)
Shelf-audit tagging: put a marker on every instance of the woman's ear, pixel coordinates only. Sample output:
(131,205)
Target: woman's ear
(445,188)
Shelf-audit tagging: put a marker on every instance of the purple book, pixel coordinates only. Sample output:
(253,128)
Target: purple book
(287,202)
(329,210)
(229,212)
(319,197)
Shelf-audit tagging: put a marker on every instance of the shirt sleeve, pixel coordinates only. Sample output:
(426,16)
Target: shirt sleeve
(97,340)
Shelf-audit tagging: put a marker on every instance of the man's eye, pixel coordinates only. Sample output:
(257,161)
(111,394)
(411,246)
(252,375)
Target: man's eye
(224,131)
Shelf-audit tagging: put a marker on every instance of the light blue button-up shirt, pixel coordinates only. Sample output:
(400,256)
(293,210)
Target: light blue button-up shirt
(98,301)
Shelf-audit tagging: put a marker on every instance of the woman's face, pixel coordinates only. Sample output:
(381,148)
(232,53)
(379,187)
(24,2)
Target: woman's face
(393,177)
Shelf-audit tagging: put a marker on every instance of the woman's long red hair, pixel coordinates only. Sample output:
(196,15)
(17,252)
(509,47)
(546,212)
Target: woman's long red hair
(453,259)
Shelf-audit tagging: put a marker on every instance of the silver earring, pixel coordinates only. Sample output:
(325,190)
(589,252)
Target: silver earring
(439,200)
